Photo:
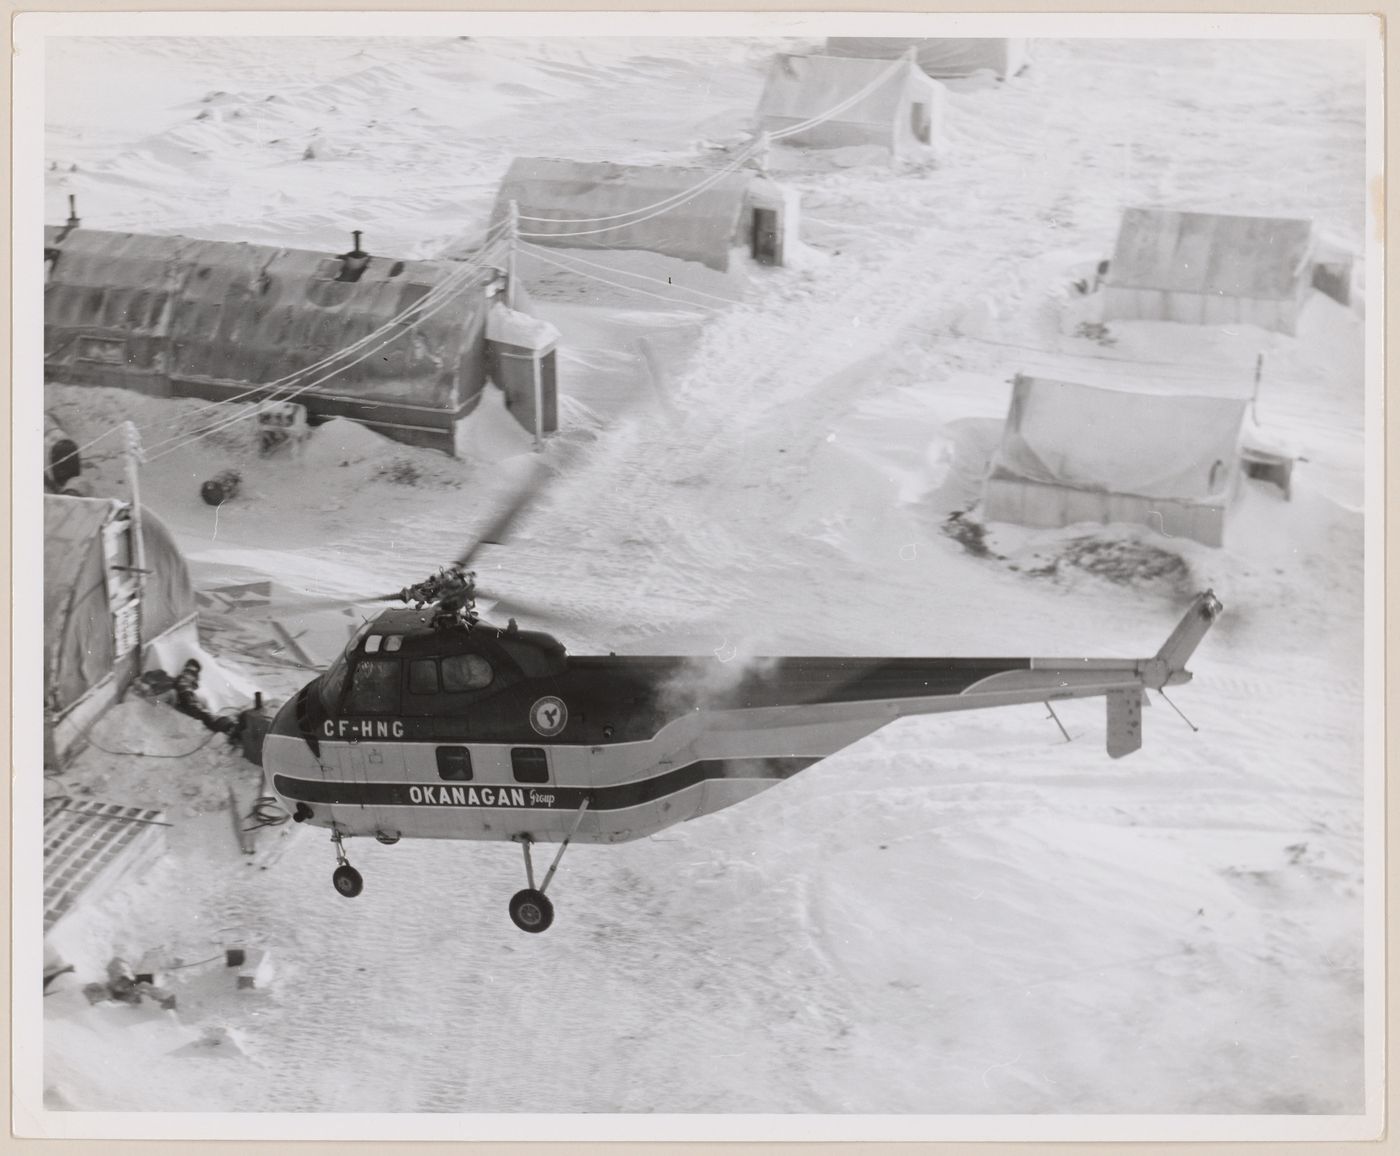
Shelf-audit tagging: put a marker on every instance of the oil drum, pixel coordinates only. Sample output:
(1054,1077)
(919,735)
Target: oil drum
(221,487)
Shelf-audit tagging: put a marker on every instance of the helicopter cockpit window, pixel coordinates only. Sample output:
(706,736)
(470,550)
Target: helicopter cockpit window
(374,687)
(465,672)
(422,676)
(332,683)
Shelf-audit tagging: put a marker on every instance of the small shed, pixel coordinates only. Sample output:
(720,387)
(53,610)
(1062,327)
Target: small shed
(174,316)
(690,214)
(1209,269)
(876,102)
(942,58)
(107,599)
(1072,452)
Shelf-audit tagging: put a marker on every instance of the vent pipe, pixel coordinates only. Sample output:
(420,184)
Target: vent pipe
(354,263)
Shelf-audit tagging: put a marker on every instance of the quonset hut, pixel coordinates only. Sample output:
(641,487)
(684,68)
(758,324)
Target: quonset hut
(178,317)
(98,618)
(902,112)
(1209,269)
(598,205)
(942,58)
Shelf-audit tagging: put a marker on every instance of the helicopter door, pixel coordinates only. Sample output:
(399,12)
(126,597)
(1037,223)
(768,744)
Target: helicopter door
(373,753)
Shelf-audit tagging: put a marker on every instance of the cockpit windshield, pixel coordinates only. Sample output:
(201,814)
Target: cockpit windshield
(333,681)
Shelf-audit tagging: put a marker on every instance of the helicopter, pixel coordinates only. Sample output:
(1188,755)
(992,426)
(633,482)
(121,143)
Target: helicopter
(435,723)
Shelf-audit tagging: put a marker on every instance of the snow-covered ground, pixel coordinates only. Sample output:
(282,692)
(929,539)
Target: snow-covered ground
(960,914)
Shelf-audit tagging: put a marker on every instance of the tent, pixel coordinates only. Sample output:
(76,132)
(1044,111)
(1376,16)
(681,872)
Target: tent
(876,102)
(941,58)
(1209,269)
(604,206)
(96,613)
(1072,452)
(173,316)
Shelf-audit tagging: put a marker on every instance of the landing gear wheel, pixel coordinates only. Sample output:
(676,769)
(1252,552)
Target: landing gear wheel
(387,839)
(348,881)
(531,910)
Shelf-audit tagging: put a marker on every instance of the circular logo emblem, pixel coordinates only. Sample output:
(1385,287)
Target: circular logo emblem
(548,715)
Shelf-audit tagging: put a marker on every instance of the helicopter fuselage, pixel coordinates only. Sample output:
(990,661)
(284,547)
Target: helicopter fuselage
(489,733)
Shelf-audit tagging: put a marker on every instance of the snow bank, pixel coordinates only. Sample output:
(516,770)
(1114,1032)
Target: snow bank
(490,432)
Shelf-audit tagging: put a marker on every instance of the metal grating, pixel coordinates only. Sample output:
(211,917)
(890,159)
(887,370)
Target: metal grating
(88,844)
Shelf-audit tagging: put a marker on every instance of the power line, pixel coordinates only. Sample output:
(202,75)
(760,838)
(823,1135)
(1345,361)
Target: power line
(626,288)
(744,154)
(261,407)
(689,195)
(658,208)
(276,385)
(836,110)
(539,252)
(170,445)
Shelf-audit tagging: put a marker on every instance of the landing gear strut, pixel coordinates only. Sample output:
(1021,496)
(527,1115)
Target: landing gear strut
(346,879)
(530,909)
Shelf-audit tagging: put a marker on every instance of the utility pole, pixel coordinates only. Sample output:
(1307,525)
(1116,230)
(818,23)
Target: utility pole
(510,256)
(1258,377)
(134,456)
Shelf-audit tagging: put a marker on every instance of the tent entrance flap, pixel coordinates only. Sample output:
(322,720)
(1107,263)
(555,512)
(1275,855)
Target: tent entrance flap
(921,121)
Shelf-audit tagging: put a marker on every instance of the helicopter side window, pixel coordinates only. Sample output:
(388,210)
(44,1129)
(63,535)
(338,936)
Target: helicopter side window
(465,672)
(422,676)
(454,763)
(374,687)
(530,764)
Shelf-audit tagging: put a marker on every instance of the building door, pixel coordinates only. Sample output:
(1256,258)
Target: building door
(549,394)
(767,242)
(921,121)
(123,597)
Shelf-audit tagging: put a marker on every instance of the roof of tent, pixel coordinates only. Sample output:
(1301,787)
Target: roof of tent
(1154,445)
(1179,252)
(939,57)
(254,313)
(79,648)
(579,197)
(800,87)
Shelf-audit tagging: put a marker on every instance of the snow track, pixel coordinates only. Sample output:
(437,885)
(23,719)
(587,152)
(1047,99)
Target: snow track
(960,914)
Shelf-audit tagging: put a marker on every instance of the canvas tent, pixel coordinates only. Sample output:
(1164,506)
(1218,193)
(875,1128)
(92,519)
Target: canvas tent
(1072,452)
(896,105)
(97,616)
(603,206)
(1209,269)
(172,316)
(942,58)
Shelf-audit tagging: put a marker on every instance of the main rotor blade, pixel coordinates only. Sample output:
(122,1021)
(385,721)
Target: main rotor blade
(520,496)
(527,612)
(320,602)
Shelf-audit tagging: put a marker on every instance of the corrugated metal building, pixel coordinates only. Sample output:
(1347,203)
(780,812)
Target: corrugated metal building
(942,58)
(603,206)
(1209,269)
(174,316)
(903,113)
